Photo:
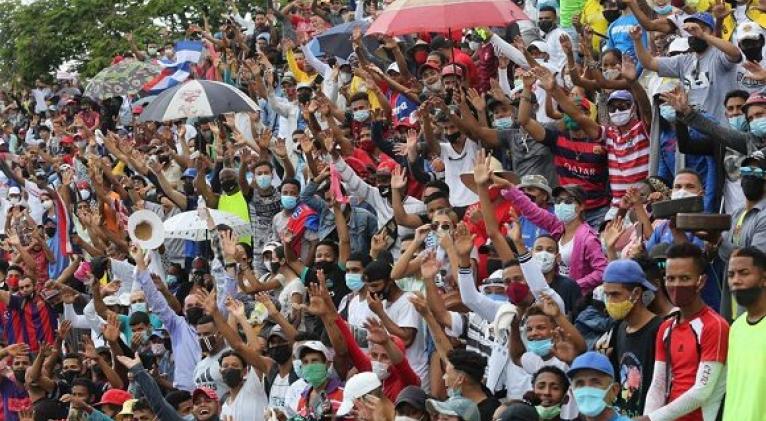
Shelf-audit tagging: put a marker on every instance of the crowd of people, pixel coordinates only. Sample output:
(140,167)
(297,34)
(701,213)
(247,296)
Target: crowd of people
(459,226)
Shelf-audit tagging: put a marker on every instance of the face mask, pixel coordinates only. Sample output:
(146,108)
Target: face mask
(697,45)
(152,51)
(280,353)
(541,347)
(546,25)
(193,315)
(361,115)
(681,296)
(188,189)
(232,377)
(381,370)
(263,181)
(272,266)
(753,53)
(207,343)
(503,123)
(138,307)
(500,298)
(517,292)
(85,194)
(611,74)
(385,191)
(668,113)
(315,374)
(681,193)
(758,126)
(229,186)
(473,46)
(436,86)
(663,10)
(618,311)
(620,118)
(420,57)
(50,231)
(304,97)
(452,137)
(354,281)
(289,202)
(69,375)
(47,204)
(611,15)
(590,400)
(566,213)
(738,122)
(157,349)
(171,280)
(545,259)
(345,77)
(747,296)
(570,123)
(327,267)
(549,412)
(752,187)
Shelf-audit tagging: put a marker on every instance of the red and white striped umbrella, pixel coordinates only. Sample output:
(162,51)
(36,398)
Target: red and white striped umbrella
(411,16)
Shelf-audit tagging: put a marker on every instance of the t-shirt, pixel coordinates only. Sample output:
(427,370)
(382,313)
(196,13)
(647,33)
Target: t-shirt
(278,392)
(634,361)
(487,408)
(527,155)
(582,162)
(568,290)
(532,363)
(745,365)
(249,403)
(628,157)
(262,209)
(285,297)
(704,337)
(456,164)
(15,398)
(707,78)
(207,373)
(403,313)
(747,83)
(618,35)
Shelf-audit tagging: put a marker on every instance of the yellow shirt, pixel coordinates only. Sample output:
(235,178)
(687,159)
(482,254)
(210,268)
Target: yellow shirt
(745,365)
(236,204)
(593,16)
(300,75)
(357,84)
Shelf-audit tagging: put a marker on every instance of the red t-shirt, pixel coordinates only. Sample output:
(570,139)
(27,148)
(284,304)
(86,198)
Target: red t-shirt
(706,331)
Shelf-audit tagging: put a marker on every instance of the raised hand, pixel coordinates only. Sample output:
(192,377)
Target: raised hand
(398,178)
(754,71)
(379,242)
(15,350)
(208,300)
(677,99)
(129,362)
(229,245)
(477,100)
(514,231)
(430,265)
(111,330)
(482,172)
(376,305)
(635,33)
(111,288)
(614,230)
(265,299)
(566,44)
(375,332)
(547,80)
(235,307)
(463,239)
(65,326)
(420,303)
(549,306)
(629,71)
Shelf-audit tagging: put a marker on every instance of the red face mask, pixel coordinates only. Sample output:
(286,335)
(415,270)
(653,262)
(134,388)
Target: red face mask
(681,296)
(420,57)
(517,292)
(12,281)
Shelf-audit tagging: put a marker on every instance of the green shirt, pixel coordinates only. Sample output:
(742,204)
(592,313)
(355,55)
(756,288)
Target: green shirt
(745,368)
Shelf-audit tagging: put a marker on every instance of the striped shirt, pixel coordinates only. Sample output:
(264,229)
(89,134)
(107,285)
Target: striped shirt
(582,162)
(29,321)
(628,156)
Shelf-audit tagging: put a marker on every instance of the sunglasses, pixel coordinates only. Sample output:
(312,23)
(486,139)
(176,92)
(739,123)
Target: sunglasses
(619,107)
(445,227)
(752,172)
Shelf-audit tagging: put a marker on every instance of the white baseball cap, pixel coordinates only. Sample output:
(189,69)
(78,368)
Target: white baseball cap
(356,387)
(312,345)
(748,30)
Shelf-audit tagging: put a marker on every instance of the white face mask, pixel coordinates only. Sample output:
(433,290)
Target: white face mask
(345,77)
(381,370)
(681,193)
(545,259)
(620,118)
(436,86)
(611,74)
(47,204)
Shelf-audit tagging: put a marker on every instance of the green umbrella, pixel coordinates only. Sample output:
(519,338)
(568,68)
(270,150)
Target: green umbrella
(124,78)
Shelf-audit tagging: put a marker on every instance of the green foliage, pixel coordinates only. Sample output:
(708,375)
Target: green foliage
(36,38)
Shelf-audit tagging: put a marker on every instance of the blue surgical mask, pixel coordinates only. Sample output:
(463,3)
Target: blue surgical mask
(354,281)
(289,202)
(263,181)
(501,298)
(565,212)
(668,113)
(663,10)
(361,115)
(541,347)
(738,122)
(503,123)
(590,400)
(135,307)
(758,126)
(171,280)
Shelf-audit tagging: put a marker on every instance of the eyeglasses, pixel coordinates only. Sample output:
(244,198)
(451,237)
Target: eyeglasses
(565,200)
(752,172)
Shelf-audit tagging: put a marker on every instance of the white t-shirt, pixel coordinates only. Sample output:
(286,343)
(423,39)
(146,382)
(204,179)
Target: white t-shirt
(33,200)
(278,392)
(456,164)
(403,313)
(207,373)
(566,255)
(358,312)
(285,296)
(249,403)
(532,363)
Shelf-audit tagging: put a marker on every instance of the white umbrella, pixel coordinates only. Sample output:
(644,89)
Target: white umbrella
(190,226)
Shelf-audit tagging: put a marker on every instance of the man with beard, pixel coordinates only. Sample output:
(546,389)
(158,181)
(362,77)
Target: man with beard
(14,394)
(30,319)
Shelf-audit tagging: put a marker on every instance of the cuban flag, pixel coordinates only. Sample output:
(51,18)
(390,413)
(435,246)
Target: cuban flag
(175,73)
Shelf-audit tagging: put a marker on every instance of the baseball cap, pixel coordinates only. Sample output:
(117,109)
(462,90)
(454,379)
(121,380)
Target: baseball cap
(753,99)
(621,95)
(414,396)
(127,407)
(704,18)
(456,407)
(270,247)
(591,361)
(304,85)
(67,139)
(138,109)
(571,189)
(288,77)
(116,397)
(452,69)
(679,45)
(14,190)
(356,387)
(312,345)
(626,271)
(377,270)
(189,172)
(160,333)
(277,331)
(393,67)
(208,392)
(748,30)
(520,411)
(536,180)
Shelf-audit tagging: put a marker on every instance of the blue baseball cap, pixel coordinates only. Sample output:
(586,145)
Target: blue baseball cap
(621,95)
(626,272)
(705,18)
(189,172)
(591,360)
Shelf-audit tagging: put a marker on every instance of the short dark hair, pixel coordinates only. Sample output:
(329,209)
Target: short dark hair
(361,257)
(71,356)
(687,251)
(436,196)
(758,256)
(292,181)
(232,353)
(177,397)
(553,370)
(548,9)
(139,317)
(142,405)
(329,243)
(303,336)
(86,383)
(439,184)
(510,263)
(549,237)
(535,310)
(359,96)
(262,163)
(692,172)
(16,268)
(737,93)
(469,362)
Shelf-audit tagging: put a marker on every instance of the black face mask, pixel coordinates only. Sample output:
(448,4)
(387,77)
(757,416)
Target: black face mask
(19,373)
(383,293)
(748,296)
(68,376)
(304,97)
(188,189)
(453,137)
(753,53)
(193,315)
(232,377)
(546,25)
(229,186)
(752,188)
(327,267)
(50,231)
(385,191)
(208,344)
(274,267)
(698,45)
(281,353)
(611,15)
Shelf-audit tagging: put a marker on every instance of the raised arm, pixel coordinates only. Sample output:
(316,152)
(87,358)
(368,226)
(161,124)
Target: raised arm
(644,56)
(663,25)
(548,82)
(536,130)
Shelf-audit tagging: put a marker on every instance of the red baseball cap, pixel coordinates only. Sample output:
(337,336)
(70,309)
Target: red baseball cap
(208,392)
(387,165)
(115,397)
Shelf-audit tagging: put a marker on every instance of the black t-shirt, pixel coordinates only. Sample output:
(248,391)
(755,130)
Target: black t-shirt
(487,408)
(633,360)
(569,292)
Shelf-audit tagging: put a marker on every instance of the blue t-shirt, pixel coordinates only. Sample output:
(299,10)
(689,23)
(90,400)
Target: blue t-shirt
(618,36)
